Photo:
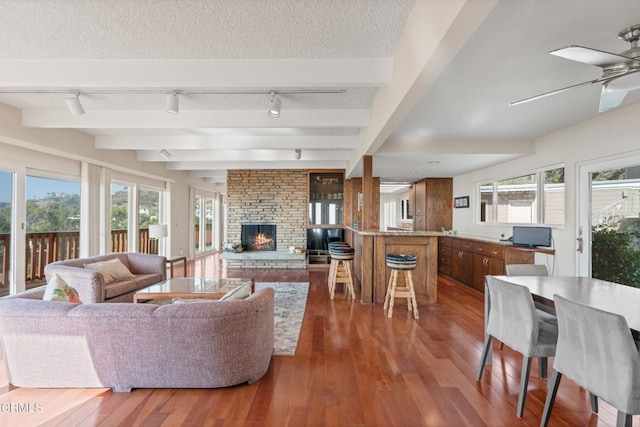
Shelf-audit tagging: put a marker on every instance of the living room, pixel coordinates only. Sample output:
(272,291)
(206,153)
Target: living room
(39,138)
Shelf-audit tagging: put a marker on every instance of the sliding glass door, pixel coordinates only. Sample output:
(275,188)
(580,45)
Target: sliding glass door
(609,228)
(6,214)
(53,223)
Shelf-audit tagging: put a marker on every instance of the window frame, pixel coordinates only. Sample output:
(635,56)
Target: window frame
(540,175)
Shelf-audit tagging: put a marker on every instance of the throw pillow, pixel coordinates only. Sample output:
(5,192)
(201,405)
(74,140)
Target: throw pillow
(58,290)
(112,270)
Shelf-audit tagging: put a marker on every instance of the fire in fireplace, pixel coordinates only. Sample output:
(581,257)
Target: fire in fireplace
(258,237)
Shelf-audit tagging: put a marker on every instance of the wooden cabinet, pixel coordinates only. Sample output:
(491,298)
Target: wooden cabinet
(444,255)
(462,260)
(487,259)
(470,260)
(432,204)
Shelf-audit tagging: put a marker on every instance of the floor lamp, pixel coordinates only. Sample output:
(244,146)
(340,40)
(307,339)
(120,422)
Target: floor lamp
(156,232)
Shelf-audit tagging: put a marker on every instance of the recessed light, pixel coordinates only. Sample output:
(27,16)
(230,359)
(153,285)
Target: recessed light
(433,162)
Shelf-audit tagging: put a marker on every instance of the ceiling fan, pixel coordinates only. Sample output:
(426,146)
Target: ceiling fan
(620,72)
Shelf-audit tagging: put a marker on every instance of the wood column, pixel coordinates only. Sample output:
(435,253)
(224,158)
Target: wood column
(367,194)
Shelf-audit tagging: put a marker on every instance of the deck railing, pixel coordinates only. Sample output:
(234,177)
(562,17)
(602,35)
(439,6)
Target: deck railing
(44,248)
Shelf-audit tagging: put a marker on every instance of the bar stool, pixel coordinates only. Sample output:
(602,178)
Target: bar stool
(340,268)
(397,263)
(332,266)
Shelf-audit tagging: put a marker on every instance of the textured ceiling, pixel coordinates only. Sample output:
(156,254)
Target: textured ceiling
(196,29)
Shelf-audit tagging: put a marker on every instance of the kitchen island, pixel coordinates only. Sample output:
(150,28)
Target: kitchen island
(369,265)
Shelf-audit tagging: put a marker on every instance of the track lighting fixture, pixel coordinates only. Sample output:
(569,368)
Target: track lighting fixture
(298,153)
(274,105)
(74,105)
(173,103)
(165,154)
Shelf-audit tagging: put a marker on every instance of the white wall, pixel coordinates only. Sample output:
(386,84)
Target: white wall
(610,134)
(45,143)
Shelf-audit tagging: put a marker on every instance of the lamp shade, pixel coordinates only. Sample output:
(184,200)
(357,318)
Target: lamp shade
(158,231)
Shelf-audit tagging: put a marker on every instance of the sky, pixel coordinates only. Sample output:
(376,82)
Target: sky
(36,187)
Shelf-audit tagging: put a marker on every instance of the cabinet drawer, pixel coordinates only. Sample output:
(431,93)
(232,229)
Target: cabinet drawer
(444,241)
(442,250)
(444,260)
(495,251)
(466,245)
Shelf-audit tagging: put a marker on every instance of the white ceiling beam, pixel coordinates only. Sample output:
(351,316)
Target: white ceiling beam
(265,155)
(185,73)
(192,142)
(283,164)
(157,119)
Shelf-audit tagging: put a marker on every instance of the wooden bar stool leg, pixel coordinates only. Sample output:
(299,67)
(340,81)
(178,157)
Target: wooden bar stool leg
(347,267)
(393,293)
(330,277)
(333,278)
(387,297)
(406,286)
(413,294)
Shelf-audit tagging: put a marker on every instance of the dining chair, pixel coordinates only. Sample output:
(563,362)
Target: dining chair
(597,351)
(513,319)
(532,270)
(526,270)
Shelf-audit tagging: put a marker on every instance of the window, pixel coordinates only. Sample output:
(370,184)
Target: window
(119,217)
(53,223)
(148,214)
(535,198)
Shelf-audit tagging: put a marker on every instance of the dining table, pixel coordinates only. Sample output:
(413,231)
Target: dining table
(601,294)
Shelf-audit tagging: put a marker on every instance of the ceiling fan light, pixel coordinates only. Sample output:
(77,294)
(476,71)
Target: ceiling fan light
(627,82)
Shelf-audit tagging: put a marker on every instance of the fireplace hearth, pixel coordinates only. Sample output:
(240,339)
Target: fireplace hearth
(258,236)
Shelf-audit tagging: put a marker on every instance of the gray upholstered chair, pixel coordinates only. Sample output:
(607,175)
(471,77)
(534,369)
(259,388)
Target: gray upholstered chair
(513,319)
(597,351)
(533,270)
(526,270)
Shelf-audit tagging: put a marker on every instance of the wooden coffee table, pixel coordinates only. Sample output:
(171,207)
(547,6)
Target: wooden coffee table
(191,287)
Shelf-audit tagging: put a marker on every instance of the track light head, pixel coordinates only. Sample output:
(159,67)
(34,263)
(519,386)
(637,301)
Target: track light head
(298,153)
(74,105)
(274,105)
(165,154)
(172,103)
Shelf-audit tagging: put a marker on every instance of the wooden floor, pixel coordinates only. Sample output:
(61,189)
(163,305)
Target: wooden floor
(353,367)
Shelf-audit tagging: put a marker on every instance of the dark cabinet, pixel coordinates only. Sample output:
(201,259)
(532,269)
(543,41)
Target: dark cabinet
(444,255)
(469,261)
(432,204)
(462,260)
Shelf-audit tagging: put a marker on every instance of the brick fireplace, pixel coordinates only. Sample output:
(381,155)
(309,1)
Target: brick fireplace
(264,196)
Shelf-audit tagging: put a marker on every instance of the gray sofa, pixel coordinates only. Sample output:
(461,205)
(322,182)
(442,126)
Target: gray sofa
(123,346)
(148,270)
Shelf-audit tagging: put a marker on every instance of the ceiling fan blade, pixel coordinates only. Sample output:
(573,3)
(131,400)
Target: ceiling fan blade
(590,56)
(610,99)
(553,92)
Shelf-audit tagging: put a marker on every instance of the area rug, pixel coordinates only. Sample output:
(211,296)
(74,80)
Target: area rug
(290,300)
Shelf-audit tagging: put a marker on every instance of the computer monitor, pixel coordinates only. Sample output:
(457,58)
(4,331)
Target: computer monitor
(532,236)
